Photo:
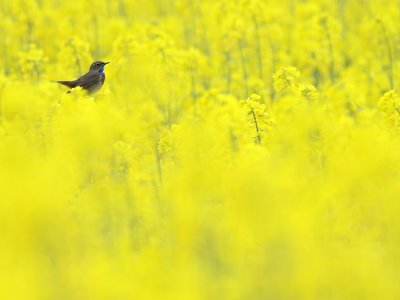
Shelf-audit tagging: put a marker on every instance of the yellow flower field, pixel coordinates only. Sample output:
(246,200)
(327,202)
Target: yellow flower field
(244,149)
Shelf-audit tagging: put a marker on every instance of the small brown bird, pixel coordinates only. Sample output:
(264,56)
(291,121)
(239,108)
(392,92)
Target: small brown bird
(92,81)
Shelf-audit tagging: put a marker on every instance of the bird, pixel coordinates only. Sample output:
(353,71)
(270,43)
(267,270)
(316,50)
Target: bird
(92,81)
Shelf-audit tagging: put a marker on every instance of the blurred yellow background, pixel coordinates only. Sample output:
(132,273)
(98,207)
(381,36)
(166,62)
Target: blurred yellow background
(238,150)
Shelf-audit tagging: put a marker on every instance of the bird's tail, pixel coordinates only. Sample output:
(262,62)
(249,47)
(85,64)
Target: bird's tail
(70,84)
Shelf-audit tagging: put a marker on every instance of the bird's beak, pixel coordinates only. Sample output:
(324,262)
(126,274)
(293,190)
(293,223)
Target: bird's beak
(106,63)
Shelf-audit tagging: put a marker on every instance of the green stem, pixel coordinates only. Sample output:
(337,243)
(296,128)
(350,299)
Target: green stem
(1,102)
(193,85)
(341,12)
(256,124)
(244,69)
(228,72)
(273,67)
(390,71)
(258,47)
(332,71)
(77,59)
(159,166)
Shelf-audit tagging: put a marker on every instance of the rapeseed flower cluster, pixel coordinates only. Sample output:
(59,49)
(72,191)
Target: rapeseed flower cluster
(238,150)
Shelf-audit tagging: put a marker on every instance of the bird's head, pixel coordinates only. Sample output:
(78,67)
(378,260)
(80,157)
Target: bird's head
(98,66)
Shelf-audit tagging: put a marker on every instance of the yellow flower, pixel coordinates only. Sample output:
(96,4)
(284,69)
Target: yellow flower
(308,91)
(286,78)
(32,62)
(257,116)
(389,104)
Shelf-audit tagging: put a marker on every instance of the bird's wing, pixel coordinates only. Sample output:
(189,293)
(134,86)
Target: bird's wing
(89,80)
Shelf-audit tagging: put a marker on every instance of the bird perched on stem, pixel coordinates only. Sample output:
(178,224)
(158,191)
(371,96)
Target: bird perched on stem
(92,81)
